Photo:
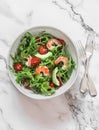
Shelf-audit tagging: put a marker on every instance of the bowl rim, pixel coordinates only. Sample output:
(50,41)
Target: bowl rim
(51,96)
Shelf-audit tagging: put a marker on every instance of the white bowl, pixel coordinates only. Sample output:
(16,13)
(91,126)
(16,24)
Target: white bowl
(71,49)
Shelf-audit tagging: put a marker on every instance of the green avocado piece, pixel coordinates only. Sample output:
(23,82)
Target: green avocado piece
(54,77)
(44,56)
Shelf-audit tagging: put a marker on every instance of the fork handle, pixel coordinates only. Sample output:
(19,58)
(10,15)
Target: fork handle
(83,84)
(92,89)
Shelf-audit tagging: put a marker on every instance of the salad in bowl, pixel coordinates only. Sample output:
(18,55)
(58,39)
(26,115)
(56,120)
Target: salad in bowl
(42,63)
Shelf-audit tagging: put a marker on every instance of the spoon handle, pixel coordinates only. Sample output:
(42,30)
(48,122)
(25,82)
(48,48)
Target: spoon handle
(91,85)
(92,89)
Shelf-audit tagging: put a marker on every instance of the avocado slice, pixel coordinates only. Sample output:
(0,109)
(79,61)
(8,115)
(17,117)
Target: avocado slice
(54,77)
(44,56)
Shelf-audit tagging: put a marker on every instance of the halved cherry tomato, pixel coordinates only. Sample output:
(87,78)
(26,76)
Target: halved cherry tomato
(61,41)
(35,61)
(18,66)
(43,49)
(52,84)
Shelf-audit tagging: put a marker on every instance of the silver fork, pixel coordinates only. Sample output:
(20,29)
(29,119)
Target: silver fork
(85,58)
(90,44)
(82,57)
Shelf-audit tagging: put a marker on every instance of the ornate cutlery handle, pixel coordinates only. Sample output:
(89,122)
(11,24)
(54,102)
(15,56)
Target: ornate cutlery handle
(92,89)
(91,86)
(87,81)
(83,84)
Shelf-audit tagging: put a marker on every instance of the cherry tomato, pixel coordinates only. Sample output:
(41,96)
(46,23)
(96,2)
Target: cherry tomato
(43,49)
(61,41)
(35,61)
(52,84)
(18,66)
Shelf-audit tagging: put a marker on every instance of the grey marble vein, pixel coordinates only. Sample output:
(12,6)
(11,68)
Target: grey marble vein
(4,77)
(8,126)
(4,41)
(7,12)
(84,112)
(3,92)
(29,17)
(75,15)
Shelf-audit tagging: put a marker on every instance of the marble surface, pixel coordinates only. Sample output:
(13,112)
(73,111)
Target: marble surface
(72,110)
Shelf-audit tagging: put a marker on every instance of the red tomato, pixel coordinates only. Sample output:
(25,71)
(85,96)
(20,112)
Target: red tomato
(52,84)
(18,66)
(35,61)
(43,49)
(61,41)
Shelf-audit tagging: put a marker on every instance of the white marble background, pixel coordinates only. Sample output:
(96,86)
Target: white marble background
(70,111)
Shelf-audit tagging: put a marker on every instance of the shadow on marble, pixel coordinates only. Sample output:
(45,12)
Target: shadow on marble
(71,106)
(47,113)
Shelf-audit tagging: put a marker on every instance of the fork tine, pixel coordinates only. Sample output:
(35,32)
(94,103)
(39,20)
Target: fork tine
(81,49)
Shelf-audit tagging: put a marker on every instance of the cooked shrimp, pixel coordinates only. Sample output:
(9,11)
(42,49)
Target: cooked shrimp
(62,59)
(51,42)
(28,63)
(43,69)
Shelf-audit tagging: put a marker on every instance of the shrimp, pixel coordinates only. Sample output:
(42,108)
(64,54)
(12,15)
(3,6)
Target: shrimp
(43,69)
(51,42)
(28,63)
(62,59)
